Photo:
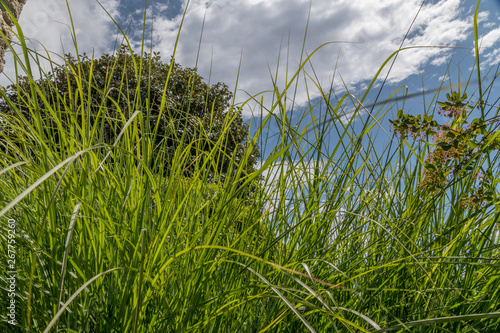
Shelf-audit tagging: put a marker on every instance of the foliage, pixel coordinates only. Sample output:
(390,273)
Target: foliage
(117,85)
(459,148)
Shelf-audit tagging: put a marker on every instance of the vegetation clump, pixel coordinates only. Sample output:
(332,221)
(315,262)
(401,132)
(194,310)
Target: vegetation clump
(139,204)
(459,148)
(181,108)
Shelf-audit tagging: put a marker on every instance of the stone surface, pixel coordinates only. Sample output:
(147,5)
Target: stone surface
(15,7)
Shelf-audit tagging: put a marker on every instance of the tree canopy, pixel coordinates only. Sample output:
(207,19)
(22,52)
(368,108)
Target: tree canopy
(185,109)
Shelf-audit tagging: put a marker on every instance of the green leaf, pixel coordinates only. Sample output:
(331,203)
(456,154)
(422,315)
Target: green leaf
(445,145)
(444,104)
(472,144)
(430,166)
(451,134)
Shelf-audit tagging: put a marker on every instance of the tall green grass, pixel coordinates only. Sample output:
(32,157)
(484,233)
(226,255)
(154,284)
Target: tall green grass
(334,238)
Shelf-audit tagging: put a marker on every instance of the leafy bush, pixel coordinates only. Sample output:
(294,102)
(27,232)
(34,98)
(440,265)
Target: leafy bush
(180,107)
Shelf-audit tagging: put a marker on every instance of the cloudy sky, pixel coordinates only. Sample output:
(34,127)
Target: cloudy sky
(257,37)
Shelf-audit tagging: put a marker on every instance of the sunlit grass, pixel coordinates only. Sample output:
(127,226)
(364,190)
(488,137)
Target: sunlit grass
(335,237)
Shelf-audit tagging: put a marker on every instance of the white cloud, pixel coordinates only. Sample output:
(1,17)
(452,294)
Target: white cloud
(442,78)
(299,175)
(488,48)
(256,29)
(490,39)
(47,23)
(365,34)
(483,16)
(439,61)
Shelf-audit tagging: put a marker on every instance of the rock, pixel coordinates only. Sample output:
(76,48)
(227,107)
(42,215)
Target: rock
(15,7)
